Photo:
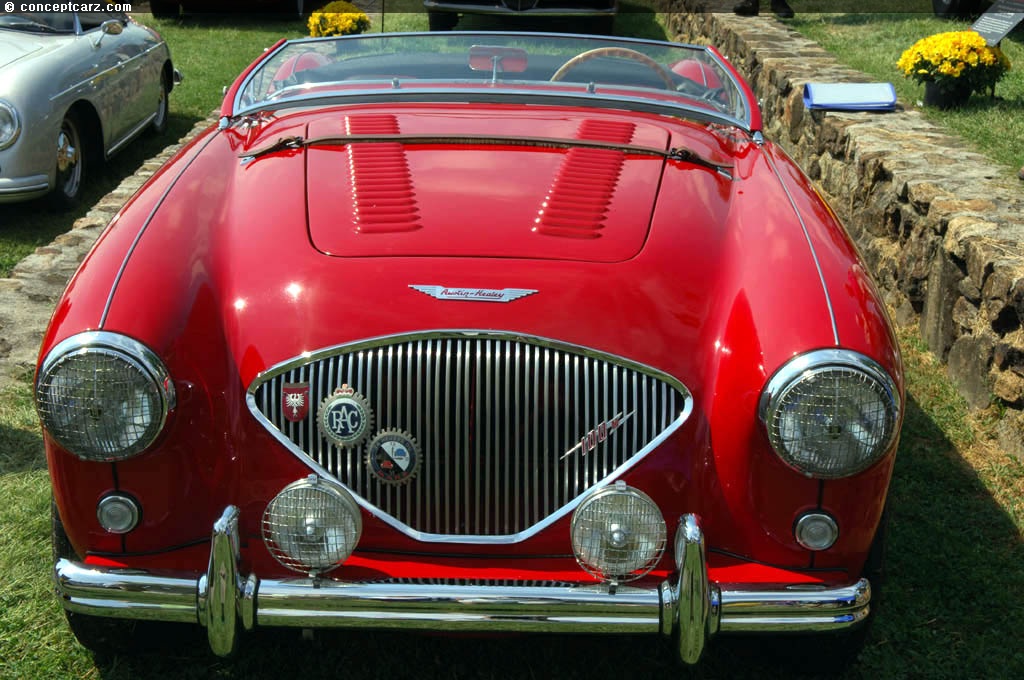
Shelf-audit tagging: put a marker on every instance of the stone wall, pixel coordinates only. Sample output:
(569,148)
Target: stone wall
(939,225)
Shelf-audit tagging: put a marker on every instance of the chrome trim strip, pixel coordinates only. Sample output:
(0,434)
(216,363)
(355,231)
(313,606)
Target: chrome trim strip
(810,246)
(130,135)
(477,493)
(120,66)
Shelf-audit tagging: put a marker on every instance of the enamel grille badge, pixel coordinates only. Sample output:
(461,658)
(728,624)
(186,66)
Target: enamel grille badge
(295,401)
(393,456)
(345,417)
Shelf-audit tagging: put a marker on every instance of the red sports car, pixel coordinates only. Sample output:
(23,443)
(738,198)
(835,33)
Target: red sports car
(474,332)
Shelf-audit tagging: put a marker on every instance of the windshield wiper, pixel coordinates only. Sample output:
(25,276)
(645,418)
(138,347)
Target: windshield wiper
(673,154)
(22,24)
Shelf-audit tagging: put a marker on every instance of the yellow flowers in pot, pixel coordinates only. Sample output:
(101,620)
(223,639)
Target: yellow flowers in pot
(338,18)
(954,63)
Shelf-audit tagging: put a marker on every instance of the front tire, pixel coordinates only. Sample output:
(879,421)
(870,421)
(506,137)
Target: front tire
(164,9)
(102,636)
(159,124)
(72,162)
(956,9)
(442,21)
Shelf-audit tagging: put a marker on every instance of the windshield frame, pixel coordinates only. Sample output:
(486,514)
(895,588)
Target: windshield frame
(561,92)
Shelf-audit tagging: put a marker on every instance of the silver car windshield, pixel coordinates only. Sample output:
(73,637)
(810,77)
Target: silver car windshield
(645,75)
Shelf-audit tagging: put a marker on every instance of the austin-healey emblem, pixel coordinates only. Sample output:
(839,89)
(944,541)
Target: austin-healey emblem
(476,294)
(393,456)
(345,417)
(295,401)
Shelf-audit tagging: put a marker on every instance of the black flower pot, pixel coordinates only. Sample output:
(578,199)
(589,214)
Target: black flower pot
(945,97)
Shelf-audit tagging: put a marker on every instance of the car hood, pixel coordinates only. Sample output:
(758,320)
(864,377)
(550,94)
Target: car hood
(14,47)
(534,196)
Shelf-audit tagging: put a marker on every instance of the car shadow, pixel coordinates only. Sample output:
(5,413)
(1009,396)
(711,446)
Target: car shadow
(21,443)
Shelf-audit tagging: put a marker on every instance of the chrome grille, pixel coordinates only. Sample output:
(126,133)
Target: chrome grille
(509,427)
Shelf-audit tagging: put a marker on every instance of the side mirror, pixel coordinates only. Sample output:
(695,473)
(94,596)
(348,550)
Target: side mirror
(109,27)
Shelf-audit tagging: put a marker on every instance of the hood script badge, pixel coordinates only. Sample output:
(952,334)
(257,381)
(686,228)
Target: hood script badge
(476,294)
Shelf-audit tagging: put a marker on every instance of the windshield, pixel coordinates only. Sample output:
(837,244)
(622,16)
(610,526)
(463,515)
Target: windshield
(645,75)
(39,22)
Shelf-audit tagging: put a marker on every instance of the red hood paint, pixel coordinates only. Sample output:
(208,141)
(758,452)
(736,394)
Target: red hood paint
(464,200)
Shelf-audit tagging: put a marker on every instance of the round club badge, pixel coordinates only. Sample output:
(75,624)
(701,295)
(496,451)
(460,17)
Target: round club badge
(393,456)
(345,417)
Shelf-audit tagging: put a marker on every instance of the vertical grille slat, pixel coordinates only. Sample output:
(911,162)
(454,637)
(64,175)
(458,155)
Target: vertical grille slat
(510,430)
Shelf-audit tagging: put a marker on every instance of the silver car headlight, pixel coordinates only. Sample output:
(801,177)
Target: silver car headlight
(103,396)
(830,413)
(10,126)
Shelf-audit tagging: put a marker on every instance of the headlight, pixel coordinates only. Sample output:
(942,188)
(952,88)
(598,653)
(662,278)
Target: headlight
(830,413)
(618,533)
(10,126)
(103,396)
(312,526)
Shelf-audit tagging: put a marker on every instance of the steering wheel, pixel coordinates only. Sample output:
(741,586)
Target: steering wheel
(621,52)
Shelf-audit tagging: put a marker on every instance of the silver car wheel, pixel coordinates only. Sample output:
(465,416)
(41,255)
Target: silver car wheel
(162,107)
(69,157)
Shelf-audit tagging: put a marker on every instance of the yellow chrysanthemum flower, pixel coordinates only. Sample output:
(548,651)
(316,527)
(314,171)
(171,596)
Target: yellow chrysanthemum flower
(955,60)
(338,18)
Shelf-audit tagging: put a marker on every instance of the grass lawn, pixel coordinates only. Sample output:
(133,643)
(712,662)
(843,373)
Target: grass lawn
(952,607)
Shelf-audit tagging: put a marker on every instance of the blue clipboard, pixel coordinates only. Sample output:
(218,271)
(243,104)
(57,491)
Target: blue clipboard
(850,96)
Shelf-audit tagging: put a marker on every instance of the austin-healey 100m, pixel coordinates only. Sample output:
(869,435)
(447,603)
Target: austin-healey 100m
(474,332)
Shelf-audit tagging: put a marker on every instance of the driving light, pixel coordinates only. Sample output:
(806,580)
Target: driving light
(117,513)
(830,413)
(312,526)
(10,126)
(618,533)
(103,396)
(816,531)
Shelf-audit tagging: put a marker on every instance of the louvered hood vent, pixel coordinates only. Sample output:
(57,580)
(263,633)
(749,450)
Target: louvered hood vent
(469,437)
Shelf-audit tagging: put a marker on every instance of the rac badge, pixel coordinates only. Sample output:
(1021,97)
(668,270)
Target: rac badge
(345,417)
(393,456)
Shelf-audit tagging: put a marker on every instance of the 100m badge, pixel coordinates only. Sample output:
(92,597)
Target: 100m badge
(345,417)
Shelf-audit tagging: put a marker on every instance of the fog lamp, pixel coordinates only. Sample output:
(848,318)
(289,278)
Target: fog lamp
(816,531)
(117,513)
(312,526)
(618,533)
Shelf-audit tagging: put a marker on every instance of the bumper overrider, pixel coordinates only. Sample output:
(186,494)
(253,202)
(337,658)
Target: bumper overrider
(689,608)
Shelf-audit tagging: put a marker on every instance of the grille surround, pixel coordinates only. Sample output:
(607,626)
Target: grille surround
(480,372)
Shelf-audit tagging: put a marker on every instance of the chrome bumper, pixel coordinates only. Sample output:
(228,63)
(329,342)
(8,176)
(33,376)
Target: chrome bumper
(689,608)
